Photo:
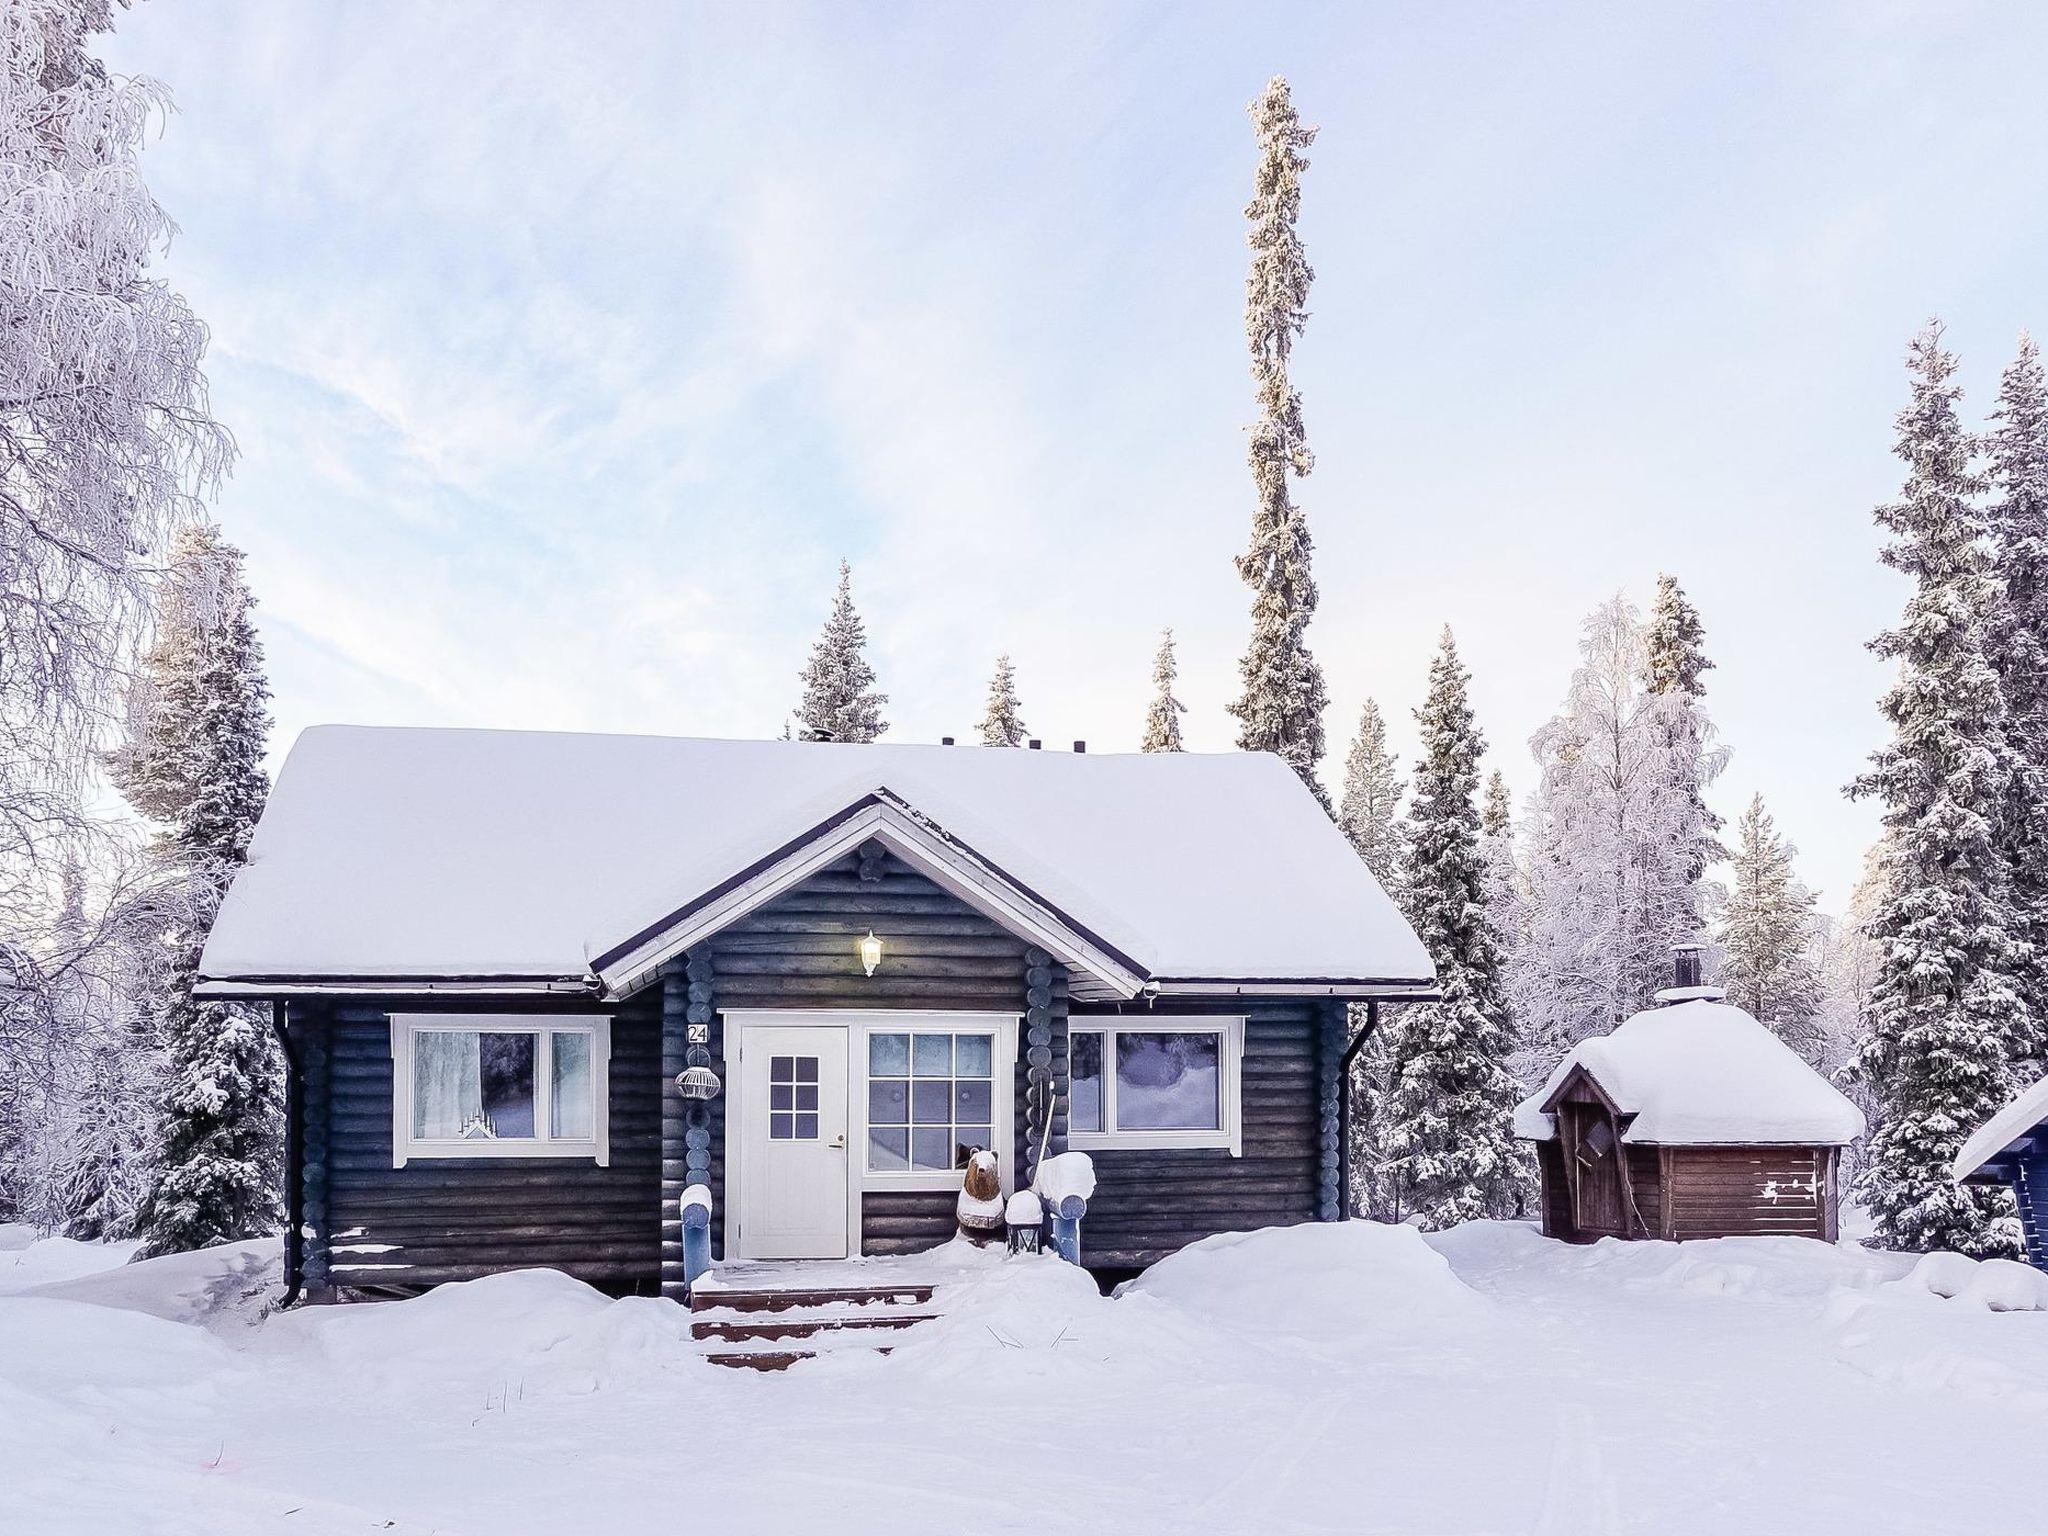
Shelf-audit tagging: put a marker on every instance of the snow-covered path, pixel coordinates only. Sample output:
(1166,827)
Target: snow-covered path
(1317,1379)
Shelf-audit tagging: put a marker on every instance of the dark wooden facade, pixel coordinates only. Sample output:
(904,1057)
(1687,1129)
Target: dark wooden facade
(1597,1184)
(372,1226)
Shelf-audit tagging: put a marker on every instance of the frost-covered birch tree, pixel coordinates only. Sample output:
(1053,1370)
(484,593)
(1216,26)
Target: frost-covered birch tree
(1162,716)
(105,446)
(1505,904)
(1770,963)
(1281,707)
(1945,1019)
(1002,723)
(1612,847)
(194,765)
(1369,809)
(1677,667)
(841,702)
(1444,1128)
(2017,639)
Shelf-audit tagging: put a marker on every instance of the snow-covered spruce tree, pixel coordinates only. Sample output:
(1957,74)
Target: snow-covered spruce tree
(1281,708)
(1944,1015)
(105,438)
(1677,665)
(2018,648)
(194,764)
(1611,848)
(1372,797)
(1770,964)
(1162,718)
(1001,723)
(1445,1128)
(840,699)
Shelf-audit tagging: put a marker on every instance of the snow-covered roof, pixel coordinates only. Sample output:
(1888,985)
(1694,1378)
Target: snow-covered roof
(403,853)
(2010,1124)
(1701,1073)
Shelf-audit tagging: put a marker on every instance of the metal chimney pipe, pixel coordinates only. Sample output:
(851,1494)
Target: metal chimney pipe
(1685,966)
(1034,743)
(1080,746)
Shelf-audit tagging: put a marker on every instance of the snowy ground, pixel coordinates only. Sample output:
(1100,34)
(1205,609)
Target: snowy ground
(1315,1379)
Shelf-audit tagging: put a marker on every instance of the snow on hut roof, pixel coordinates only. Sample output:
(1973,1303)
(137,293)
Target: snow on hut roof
(2009,1125)
(1701,1073)
(391,852)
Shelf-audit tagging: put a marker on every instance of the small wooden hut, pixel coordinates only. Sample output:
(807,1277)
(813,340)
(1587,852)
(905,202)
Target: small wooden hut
(2011,1148)
(1690,1120)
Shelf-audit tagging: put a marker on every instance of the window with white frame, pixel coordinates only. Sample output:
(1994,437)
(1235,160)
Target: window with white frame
(931,1098)
(1164,1082)
(499,1085)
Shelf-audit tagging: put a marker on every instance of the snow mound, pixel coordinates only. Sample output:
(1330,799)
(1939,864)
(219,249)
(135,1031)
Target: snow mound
(1999,1285)
(69,1348)
(529,1324)
(228,1289)
(1314,1280)
(28,1261)
(1767,1268)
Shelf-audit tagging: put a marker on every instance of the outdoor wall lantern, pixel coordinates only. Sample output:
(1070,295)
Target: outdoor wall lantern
(697,1083)
(870,952)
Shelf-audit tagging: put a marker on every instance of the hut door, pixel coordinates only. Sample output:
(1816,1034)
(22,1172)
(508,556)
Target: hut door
(1596,1174)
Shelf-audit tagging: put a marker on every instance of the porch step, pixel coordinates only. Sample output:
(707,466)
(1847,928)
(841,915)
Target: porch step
(784,1299)
(800,1327)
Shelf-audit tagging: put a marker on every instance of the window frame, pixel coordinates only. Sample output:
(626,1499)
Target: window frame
(1002,1030)
(405,1146)
(1229,1134)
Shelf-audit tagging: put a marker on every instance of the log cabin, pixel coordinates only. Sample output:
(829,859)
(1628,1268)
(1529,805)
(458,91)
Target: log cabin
(1690,1120)
(2011,1148)
(534,987)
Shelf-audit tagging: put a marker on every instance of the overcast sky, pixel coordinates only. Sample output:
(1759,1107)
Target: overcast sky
(570,348)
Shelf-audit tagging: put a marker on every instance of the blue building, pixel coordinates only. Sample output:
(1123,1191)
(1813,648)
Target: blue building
(2012,1148)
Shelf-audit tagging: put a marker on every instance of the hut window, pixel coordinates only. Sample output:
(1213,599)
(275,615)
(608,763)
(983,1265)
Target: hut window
(466,1085)
(1599,1139)
(931,1099)
(1166,1083)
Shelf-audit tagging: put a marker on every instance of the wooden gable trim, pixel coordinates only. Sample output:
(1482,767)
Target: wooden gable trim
(1579,1076)
(927,848)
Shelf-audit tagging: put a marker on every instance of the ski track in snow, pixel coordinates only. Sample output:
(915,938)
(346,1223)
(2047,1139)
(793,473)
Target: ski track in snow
(1317,1380)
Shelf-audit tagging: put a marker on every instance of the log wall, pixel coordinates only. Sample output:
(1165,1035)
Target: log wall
(1150,1203)
(1750,1192)
(441,1219)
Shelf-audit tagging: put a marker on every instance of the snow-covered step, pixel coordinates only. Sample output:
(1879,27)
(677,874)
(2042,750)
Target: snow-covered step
(766,1298)
(804,1324)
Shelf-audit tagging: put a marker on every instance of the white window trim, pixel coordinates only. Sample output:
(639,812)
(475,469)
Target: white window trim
(1230,1082)
(1003,1090)
(405,1146)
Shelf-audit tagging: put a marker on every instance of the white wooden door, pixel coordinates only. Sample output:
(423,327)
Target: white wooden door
(792,1143)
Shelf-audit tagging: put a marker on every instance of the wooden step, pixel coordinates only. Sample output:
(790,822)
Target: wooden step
(799,1327)
(777,1299)
(771,1359)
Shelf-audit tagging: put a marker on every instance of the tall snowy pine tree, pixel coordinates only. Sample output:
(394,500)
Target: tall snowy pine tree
(1941,1016)
(1446,1125)
(1281,708)
(1372,796)
(1001,724)
(2018,643)
(1162,719)
(1677,666)
(1770,963)
(840,700)
(194,764)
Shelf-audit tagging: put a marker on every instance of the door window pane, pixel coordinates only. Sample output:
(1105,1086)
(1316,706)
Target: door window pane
(793,1098)
(572,1107)
(1084,1101)
(1168,1082)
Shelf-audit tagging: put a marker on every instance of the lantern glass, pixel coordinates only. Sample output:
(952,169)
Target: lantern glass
(870,952)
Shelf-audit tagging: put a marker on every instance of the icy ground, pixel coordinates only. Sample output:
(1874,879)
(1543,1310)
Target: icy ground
(1348,1378)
